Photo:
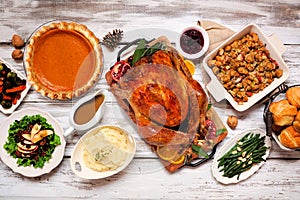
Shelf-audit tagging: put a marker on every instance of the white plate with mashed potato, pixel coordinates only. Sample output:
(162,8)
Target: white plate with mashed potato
(102,152)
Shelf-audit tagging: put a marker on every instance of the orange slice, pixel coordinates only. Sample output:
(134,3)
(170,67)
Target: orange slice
(190,65)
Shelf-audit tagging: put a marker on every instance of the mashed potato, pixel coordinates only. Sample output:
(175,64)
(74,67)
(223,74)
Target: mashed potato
(105,149)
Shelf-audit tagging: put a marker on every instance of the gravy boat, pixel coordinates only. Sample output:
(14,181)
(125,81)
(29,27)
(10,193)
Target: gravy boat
(94,120)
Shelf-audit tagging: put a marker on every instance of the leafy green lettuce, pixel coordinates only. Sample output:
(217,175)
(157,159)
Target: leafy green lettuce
(11,144)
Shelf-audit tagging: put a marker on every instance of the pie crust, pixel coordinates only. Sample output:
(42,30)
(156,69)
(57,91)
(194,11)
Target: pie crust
(63,60)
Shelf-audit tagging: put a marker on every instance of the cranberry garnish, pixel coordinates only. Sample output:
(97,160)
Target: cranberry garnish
(191,41)
(211,129)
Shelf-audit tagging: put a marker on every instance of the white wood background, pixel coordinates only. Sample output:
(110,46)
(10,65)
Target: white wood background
(145,177)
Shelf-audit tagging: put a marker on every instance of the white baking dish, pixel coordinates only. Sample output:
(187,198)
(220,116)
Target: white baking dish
(276,49)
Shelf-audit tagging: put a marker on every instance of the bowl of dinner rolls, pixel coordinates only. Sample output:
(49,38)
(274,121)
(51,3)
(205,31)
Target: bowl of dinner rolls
(282,118)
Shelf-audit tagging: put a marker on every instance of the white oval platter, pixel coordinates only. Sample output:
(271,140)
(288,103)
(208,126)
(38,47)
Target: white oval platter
(227,146)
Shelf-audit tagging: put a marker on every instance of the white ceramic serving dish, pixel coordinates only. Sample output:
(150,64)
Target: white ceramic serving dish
(30,171)
(97,117)
(205,42)
(23,93)
(227,146)
(77,162)
(276,49)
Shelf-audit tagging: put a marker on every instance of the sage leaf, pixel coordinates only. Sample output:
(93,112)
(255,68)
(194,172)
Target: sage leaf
(199,151)
(220,131)
(139,51)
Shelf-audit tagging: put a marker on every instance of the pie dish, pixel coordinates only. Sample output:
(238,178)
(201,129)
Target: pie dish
(63,59)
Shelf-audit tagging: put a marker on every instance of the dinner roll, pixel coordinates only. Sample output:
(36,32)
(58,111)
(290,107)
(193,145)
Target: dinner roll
(296,122)
(283,112)
(290,138)
(293,96)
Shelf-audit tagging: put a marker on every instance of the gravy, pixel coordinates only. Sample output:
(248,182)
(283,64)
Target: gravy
(87,110)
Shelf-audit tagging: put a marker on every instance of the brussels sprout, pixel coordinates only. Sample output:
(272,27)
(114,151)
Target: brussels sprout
(7,85)
(11,76)
(6,104)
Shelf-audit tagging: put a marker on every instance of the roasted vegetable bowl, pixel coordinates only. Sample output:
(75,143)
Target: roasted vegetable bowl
(13,87)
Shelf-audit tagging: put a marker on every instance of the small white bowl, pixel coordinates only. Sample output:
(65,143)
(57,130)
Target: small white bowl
(204,47)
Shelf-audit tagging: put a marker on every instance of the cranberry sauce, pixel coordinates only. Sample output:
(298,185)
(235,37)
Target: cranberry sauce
(191,41)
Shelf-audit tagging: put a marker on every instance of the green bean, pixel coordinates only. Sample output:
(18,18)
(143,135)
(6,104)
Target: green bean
(239,172)
(232,168)
(258,161)
(229,152)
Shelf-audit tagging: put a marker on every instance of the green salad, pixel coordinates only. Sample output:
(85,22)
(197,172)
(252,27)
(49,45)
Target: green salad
(31,141)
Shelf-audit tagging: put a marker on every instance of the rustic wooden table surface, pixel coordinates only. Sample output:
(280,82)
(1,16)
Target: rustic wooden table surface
(145,177)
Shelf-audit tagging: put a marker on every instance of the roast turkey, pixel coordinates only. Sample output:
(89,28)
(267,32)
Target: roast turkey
(159,94)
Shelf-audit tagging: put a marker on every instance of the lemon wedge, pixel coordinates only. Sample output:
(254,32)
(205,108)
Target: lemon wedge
(179,160)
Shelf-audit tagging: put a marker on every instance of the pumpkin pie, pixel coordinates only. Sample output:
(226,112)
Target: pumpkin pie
(63,60)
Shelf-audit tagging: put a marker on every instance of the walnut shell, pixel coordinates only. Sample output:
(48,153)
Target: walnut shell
(17,41)
(17,54)
(232,121)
